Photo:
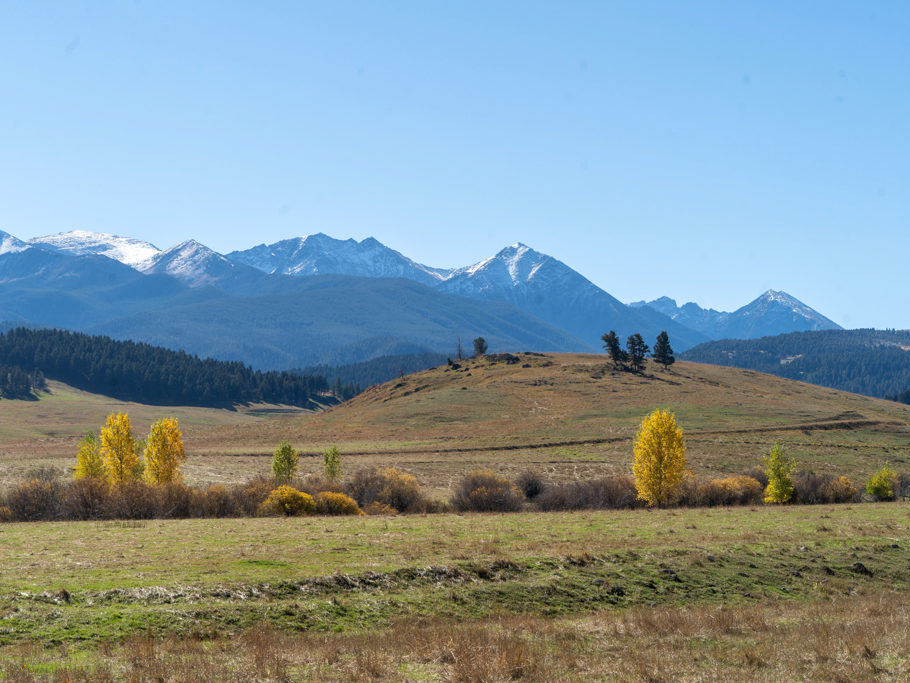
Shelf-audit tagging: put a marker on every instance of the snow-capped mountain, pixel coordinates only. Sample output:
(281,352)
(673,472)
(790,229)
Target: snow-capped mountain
(320,254)
(10,244)
(196,265)
(770,314)
(551,290)
(127,250)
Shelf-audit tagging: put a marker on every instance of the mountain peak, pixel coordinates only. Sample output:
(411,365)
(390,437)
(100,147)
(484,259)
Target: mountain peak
(10,244)
(127,250)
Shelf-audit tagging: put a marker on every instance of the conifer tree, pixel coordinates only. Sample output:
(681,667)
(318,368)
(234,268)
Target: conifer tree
(611,344)
(118,448)
(660,458)
(89,462)
(480,346)
(164,452)
(663,352)
(637,350)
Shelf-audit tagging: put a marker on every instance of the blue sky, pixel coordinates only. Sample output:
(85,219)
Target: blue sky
(706,151)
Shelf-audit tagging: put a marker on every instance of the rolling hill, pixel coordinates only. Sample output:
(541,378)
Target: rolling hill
(566,415)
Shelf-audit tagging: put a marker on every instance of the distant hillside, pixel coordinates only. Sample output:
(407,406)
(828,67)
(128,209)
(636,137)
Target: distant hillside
(871,362)
(375,371)
(149,374)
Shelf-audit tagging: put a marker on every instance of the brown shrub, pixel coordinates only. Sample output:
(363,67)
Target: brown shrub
(133,500)
(217,501)
(758,474)
(530,483)
(613,493)
(486,491)
(386,485)
(86,498)
(331,503)
(736,490)
(811,489)
(6,515)
(317,482)
(34,500)
(178,501)
(249,496)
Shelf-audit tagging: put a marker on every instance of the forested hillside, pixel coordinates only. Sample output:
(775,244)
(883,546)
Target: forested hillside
(149,374)
(871,362)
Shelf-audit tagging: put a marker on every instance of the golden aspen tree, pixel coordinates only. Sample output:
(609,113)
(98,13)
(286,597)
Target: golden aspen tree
(164,452)
(89,462)
(118,448)
(660,458)
(779,469)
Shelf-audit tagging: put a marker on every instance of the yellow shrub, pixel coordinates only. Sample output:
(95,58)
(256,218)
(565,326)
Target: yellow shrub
(288,501)
(6,515)
(377,508)
(331,503)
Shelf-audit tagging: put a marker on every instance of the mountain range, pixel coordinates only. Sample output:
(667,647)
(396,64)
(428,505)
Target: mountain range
(316,299)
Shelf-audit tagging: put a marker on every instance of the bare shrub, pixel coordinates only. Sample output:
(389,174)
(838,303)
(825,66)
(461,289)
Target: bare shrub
(6,515)
(736,490)
(486,491)
(902,487)
(331,503)
(388,486)
(249,496)
(86,498)
(317,482)
(758,474)
(176,500)
(531,484)
(813,489)
(607,493)
(217,501)
(133,500)
(34,499)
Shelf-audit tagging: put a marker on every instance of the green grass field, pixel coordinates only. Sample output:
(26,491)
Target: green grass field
(85,587)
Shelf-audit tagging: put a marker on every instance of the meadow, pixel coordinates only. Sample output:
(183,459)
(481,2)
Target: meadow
(559,595)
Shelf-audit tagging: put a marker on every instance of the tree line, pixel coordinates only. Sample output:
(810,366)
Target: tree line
(132,371)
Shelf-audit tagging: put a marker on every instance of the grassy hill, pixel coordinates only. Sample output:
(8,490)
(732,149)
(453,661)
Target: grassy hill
(566,415)
(570,415)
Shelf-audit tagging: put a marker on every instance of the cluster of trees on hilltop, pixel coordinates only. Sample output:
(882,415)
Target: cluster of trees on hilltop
(870,362)
(133,371)
(633,357)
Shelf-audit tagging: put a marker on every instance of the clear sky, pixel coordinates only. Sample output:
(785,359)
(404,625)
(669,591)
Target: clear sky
(703,150)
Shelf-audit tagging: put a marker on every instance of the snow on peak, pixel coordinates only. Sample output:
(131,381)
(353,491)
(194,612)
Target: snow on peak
(515,265)
(83,243)
(190,261)
(10,244)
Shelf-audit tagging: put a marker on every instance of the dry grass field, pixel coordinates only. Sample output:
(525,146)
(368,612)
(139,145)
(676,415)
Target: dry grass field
(566,415)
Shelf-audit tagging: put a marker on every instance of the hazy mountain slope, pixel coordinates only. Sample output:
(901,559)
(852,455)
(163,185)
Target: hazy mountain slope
(327,315)
(550,290)
(871,362)
(770,314)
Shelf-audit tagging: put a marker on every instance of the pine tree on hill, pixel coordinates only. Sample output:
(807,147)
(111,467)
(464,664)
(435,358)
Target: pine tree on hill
(663,352)
(611,344)
(637,350)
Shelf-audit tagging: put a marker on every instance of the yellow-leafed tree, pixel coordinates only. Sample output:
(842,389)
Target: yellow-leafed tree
(164,452)
(118,448)
(660,458)
(779,469)
(89,462)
